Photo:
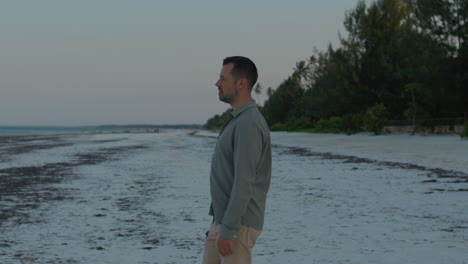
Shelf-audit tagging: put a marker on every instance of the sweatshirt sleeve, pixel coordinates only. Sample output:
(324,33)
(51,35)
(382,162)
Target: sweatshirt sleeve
(247,152)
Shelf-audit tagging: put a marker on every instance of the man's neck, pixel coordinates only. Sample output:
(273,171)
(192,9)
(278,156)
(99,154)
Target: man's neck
(241,102)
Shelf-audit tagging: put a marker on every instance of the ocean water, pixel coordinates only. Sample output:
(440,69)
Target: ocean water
(47,130)
(43,130)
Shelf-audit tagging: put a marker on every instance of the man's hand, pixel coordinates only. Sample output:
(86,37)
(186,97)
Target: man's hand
(224,246)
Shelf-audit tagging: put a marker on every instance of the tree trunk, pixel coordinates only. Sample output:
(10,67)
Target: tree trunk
(414,112)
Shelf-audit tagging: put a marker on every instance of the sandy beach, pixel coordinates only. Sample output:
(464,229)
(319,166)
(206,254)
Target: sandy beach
(448,152)
(143,198)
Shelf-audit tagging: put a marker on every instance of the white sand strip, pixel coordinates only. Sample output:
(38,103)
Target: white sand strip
(448,152)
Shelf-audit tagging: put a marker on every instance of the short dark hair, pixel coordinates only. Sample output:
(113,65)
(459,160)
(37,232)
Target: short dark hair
(243,68)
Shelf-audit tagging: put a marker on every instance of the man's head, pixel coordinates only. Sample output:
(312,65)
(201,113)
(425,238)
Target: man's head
(242,68)
(238,76)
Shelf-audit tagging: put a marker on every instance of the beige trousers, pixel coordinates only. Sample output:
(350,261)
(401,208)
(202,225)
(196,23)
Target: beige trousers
(242,246)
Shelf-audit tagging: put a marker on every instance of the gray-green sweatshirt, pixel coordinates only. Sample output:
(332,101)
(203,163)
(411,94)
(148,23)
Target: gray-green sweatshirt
(241,171)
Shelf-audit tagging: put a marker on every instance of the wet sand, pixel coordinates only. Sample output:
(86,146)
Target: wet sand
(143,198)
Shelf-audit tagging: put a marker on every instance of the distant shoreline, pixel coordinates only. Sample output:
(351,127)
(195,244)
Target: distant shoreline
(61,130)
(444,151)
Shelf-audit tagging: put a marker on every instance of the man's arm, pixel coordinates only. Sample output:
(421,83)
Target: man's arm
(247,153)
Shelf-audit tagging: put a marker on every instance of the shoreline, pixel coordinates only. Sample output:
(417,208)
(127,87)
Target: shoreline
(448,152)
(435,151)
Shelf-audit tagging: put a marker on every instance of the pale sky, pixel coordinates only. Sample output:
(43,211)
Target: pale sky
(90,62)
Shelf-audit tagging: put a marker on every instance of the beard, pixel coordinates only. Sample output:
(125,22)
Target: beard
(223,98)
(227,98)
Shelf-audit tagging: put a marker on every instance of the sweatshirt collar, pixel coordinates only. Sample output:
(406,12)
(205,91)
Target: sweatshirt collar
(243,108)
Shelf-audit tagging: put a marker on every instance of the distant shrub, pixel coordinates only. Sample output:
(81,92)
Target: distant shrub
(295,124)
(333,125)
(426,124)
(278,127)
(375,118)
(217,121)
(352,123)
(420,119)
(464,134)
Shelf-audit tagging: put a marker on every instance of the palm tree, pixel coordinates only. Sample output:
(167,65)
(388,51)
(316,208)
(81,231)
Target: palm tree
(258,90)
(301,71)
(312,66)
(270,91)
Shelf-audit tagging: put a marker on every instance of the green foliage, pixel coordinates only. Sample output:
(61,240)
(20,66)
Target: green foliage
(410,56)
(352,123)
(278,127)
(335,91)
(295,124)
(333,125)
(445,23)
(217,121)
(375,118)
(464,134)
(425,123)
(283,100)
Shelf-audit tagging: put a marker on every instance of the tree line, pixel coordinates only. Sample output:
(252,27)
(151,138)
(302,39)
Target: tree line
(400,60)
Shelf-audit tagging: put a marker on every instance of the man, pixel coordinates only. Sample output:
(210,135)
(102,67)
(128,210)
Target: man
(240,169)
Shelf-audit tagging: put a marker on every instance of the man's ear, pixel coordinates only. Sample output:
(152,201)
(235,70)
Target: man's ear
(243,83)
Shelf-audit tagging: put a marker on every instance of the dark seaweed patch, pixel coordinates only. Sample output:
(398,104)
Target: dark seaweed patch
(456,176)
(26,188)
